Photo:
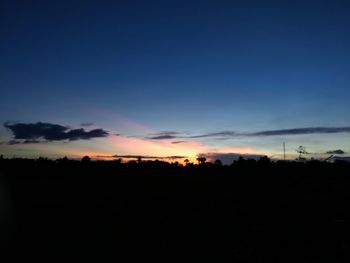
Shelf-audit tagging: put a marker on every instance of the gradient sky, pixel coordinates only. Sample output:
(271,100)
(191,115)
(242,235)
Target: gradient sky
(142,68)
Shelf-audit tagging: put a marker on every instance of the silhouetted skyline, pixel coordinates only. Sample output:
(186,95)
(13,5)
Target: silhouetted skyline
(174,78)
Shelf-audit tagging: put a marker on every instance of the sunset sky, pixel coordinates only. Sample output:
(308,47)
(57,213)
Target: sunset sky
(174,78)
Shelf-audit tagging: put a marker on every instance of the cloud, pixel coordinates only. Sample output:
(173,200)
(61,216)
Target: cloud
(163,135)
(286,132)
(336,152)
(215,134)
(175,135)
(86,124)
(223,135)
(46,132)
(228,158)
(178,142)
(297,131)
(148,157)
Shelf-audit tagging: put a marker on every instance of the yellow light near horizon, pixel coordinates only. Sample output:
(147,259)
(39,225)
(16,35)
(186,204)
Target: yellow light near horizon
(140,146)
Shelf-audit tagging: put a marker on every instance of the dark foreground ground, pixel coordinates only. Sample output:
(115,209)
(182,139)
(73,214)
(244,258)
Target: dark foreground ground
(249,212)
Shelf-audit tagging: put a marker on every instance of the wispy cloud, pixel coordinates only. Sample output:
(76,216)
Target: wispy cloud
(46,132)
(222,135)
(297,131)
(178,142)
(162,137)
(279,132)
(165,135)
(216,134)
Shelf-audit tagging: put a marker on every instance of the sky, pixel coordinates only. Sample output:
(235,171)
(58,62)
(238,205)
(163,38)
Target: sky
(174,78)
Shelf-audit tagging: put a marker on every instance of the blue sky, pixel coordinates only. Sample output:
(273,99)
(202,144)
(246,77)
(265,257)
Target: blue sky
(195,67)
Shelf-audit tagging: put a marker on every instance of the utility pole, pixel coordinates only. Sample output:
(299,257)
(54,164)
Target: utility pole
(284,151)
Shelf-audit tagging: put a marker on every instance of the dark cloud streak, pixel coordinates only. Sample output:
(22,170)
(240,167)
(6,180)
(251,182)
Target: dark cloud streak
(310,130)
(178,142)
(163,135)
(223,135)
(281,132)
(215,134)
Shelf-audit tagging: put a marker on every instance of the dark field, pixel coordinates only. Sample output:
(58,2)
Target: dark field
(248,212)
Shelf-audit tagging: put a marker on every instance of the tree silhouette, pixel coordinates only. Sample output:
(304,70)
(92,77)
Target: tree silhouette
(218,162)
(85,159)
(201,160)
(62,160)
(119,160)
(264,160)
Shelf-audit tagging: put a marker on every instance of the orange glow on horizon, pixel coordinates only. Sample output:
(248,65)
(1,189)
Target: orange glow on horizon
(107,147)
(161,148)
(122,145)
